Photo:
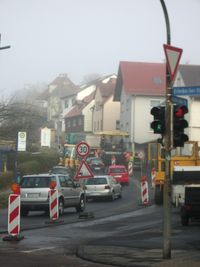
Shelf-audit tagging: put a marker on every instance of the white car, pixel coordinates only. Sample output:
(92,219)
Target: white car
(35,193)
(102,186)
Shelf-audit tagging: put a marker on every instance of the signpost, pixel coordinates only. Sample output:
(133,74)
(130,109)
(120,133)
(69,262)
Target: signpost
(84,170)
(82,149)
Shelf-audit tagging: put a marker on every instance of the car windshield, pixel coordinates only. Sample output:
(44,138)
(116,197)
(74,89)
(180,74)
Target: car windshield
(36,182)
(96,181)
(117,170)
(59,170)
(92,161)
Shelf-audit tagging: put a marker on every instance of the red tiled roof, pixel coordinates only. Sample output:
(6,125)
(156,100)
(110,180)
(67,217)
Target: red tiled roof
(77,109)
(141,78)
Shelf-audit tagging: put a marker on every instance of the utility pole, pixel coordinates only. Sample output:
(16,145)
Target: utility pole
(168,140)
(3,47)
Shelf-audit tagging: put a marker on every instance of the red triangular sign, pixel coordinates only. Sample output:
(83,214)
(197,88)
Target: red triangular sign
(173,56)
(84,171)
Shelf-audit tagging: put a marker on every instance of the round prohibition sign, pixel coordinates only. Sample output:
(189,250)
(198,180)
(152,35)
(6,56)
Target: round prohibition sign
(82,149)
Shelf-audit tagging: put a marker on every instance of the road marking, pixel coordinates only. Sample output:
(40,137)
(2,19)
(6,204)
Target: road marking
(37,249)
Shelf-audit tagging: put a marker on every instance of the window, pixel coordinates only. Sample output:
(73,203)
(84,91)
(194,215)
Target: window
(66,103)
(80,121)
(154,103)
(74,122)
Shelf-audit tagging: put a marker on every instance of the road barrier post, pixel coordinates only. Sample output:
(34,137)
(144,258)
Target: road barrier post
(144,190)
(14,215)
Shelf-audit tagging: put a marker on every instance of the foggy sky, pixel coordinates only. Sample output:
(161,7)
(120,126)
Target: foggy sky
(80,37)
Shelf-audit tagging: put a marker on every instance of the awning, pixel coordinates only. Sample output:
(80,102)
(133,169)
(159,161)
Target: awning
(113,133)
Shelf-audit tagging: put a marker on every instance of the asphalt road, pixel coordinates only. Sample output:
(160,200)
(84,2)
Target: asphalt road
(117,230)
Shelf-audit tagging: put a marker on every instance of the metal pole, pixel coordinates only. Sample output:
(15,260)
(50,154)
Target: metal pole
(167,180)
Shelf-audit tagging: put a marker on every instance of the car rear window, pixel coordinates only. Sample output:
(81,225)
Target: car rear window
(117,170)
(36,182)
(96,181)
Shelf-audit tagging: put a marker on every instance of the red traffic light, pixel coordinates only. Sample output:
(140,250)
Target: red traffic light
(180,111)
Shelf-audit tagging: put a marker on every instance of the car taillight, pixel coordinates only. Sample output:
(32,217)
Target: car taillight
(188,207)
(107,187)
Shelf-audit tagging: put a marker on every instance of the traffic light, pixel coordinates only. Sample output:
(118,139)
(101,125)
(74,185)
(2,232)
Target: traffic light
(158,124)
(179,124)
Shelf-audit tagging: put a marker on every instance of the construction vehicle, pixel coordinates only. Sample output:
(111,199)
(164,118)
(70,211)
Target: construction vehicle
(112,147)
(184,167)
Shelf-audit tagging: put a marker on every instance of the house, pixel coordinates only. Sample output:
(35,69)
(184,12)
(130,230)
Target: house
(78,121)
(141,86)
(106,112)
(60,88)
(91,111)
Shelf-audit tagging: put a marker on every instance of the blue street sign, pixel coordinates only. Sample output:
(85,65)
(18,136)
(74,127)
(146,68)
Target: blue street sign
(179,100)
(189,90)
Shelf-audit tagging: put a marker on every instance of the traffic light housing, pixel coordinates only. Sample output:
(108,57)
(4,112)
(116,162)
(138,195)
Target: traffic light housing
(179,124)
(158,124)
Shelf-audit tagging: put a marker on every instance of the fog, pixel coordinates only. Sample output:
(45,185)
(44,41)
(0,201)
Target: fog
(80,37)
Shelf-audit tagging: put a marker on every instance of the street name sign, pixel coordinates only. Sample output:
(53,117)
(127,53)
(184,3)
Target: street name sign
(189,90)
(173,56)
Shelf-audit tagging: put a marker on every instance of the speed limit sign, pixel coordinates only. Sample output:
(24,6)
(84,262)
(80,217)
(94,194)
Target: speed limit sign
(82,149)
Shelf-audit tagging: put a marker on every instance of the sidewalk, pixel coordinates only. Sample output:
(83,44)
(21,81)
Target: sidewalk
(133,257)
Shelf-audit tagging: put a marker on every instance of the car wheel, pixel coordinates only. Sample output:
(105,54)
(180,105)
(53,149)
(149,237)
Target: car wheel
(81,205)
(61,207)
(184,220)
(24,212)
(112,197)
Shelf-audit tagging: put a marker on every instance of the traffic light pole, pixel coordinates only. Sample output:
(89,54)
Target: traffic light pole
(167,143)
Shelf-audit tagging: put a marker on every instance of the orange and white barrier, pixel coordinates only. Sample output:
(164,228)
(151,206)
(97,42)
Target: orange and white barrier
(14,214)
(144,190)
(153,176)
(53,204)
(113,160)
(130,168)
(14,203)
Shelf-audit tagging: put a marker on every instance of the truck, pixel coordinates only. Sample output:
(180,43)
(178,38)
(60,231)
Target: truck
(190,208)
(184,168)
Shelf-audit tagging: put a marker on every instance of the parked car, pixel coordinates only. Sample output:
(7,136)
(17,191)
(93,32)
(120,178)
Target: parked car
(119,172)
(35,193)
(61,170)
(96,165)
(104,186)
(191,207)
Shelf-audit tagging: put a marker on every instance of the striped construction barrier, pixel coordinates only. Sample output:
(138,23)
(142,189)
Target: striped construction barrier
(14,217)
(53,204)
(130,168)
(14,214)
(144,190)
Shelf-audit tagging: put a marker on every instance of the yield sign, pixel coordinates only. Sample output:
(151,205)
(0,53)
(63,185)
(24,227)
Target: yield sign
(84,171)
(173,56)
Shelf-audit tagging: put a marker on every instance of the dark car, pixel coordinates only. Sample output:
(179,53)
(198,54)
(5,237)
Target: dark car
(96,165)
(191,207)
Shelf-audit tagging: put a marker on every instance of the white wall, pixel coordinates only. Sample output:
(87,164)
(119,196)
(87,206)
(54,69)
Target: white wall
(88,114)
(111,113)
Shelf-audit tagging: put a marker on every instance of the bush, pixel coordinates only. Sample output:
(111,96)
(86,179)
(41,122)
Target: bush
(6,179)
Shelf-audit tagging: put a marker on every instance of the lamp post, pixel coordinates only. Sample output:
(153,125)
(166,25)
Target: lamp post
(167,180)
